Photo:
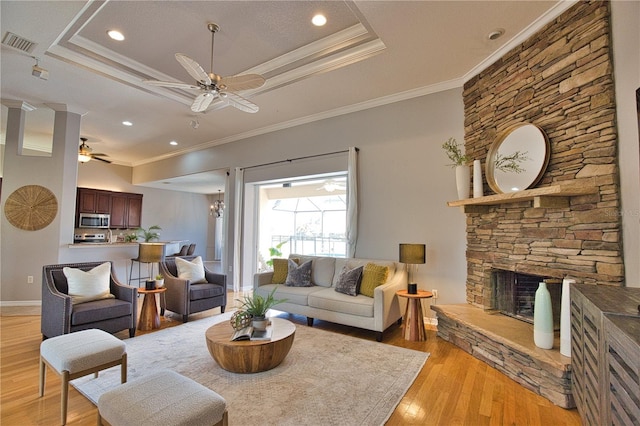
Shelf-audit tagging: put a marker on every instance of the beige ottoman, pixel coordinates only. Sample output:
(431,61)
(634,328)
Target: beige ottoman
(162,398)
(77,354)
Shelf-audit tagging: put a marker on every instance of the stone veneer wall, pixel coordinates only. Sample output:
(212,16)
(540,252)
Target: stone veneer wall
(561,79)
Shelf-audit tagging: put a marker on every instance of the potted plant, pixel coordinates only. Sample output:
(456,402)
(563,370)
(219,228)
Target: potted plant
(460,162)
(257,306)
(149,234)
(159,281)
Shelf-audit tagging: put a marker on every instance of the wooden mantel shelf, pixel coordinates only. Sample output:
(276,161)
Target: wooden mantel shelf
(554,196)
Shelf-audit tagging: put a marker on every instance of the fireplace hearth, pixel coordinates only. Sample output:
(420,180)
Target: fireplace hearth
(514,294)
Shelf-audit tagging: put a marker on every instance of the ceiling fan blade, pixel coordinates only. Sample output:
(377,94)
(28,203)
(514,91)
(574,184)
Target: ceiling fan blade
(242,82)
(193,68)
(239,102)
(93,157)
(174,84)
(202,102)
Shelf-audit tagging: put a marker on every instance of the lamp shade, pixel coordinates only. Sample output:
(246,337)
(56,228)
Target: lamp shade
(150,252)
(412,253)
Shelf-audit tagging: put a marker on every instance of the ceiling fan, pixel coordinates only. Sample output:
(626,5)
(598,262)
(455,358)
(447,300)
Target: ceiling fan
(211,85)
(85,153)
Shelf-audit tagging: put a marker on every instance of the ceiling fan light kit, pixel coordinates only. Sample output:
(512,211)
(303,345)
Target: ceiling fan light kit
(85,153)
(213,86)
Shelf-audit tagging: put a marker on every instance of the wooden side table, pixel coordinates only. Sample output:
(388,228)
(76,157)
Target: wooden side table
(413,316)
(149,318)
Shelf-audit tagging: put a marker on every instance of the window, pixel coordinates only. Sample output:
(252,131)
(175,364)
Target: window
(303,217)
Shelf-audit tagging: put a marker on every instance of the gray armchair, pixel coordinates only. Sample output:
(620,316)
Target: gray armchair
(60,316)
(185,298)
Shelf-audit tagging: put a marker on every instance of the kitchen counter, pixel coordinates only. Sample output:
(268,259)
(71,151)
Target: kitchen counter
(133,244)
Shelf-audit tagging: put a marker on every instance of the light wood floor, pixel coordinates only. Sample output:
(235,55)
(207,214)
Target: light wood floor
(453,388)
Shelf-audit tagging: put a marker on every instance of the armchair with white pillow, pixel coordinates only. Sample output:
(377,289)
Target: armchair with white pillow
(80,296)
(191,287)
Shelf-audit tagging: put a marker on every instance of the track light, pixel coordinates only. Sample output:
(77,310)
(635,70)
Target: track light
(39,72)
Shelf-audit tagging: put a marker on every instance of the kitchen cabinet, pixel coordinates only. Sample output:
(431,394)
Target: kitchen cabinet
(126,210)
(93,201)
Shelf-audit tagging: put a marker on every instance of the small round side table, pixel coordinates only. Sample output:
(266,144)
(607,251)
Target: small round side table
(413,317)
(149,318)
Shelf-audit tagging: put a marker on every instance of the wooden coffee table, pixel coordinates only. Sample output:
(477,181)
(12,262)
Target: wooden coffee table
(250,356)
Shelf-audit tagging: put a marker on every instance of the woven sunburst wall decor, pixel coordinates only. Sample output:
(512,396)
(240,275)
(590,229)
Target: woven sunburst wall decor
(31,207)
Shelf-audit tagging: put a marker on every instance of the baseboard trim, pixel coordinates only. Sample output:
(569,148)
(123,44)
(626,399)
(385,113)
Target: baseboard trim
(20,307)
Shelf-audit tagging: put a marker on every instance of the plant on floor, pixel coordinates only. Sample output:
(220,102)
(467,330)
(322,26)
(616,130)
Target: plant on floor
(275,252)
(149,234)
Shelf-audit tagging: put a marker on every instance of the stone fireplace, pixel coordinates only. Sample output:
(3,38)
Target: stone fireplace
(561,80)
(513,294)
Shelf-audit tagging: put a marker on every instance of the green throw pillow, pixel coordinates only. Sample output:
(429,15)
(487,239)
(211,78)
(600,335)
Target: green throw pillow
(280,270)
(372,276)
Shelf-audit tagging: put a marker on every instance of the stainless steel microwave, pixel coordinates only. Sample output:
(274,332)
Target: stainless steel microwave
(94,220)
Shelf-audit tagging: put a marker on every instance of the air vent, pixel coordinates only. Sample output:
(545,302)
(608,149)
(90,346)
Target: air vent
(17,42)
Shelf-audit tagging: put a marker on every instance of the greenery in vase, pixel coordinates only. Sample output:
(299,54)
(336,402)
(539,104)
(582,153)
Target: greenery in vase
(257,306)
(510,163)
(159,277)
(129,238)
(454,152)
(149,234)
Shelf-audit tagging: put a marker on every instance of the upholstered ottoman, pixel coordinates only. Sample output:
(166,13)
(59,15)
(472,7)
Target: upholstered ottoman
(162,398)
(80,353)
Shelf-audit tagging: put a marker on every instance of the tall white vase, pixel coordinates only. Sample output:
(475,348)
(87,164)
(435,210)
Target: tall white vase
(543,318)
(565,318)
(463,180)
(478,191)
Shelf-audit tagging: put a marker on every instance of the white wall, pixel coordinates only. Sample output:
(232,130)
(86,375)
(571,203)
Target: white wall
(404,183)
(625,18)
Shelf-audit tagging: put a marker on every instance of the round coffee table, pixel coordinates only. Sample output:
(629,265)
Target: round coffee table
(250,356)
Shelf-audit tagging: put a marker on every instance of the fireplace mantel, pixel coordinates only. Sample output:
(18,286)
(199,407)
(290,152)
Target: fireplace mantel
(554,196)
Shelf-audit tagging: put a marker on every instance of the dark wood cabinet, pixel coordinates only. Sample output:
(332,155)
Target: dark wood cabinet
(93,201)
(125,208)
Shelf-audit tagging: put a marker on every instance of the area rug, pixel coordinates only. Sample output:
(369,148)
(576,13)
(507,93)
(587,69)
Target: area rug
(326,379)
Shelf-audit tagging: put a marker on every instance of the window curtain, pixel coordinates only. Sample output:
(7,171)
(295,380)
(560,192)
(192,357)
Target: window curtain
(352,202)
(237,230)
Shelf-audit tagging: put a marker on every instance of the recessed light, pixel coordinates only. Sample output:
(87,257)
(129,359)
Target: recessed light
(319,20)
(173,143)
(116,35)
(495,34)
(127,123)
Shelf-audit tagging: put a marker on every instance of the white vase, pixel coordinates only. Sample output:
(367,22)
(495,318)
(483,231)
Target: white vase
(463,179)
(565,318)
(478,191)
(543,318)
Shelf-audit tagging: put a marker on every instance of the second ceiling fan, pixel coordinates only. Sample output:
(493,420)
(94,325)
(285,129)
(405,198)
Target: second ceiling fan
(212,85)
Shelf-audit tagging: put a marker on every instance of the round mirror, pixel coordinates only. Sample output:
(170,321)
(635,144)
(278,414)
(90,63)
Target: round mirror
(518,159)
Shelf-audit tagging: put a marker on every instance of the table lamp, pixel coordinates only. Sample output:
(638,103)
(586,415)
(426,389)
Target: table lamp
(413,255)
(150,253)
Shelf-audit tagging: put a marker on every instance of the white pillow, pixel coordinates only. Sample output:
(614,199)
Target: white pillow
(90,285)
(192,271)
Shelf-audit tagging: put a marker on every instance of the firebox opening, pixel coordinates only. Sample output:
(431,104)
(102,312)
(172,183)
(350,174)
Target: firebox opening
(514,294)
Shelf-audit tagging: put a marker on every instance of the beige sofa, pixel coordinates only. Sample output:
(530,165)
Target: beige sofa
(322,301)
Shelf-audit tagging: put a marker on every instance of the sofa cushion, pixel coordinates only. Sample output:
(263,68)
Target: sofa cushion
(349,281)
(99,310)
(299,275)
(373,275)
(330,300)
(86,286)
(294,295)
(205,291)
(192,271)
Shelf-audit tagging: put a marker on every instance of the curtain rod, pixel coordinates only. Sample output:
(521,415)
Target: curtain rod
(289,160)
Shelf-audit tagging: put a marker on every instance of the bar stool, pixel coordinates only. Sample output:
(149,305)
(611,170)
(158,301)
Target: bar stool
(148,253)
